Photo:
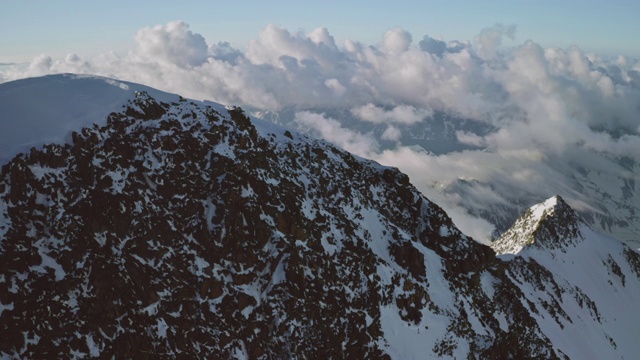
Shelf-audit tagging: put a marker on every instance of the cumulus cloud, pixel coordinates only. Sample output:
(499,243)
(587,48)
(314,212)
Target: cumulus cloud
(542,106)
(404,114)
(173,44)
(275,43)
(225,52)
(396,41)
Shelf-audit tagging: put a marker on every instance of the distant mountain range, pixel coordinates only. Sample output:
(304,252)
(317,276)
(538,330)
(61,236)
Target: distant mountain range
(160,227)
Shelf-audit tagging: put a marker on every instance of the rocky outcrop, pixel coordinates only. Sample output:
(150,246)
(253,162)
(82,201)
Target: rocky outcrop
(550,225)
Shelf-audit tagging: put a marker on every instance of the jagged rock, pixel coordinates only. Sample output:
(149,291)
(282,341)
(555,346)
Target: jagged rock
(551,224)
(573,276)
(183,229)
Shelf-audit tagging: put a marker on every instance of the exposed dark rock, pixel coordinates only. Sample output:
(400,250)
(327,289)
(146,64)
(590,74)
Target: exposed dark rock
(178,231)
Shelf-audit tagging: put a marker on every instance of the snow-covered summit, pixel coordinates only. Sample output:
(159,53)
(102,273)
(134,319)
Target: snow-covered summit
(38,111)
(585,283)
(551,224)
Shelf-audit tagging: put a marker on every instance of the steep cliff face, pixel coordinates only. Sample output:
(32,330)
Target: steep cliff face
(178,228)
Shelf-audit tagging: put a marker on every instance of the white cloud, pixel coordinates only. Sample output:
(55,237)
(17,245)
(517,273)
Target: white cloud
(173,44)
(331,130)
(402,114)
(281,69)
(472,139)
(546,103)
(392,133)
(396,41)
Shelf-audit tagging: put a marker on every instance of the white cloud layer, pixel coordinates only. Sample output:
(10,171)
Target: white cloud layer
(331,129)
(545,102)
(403,114)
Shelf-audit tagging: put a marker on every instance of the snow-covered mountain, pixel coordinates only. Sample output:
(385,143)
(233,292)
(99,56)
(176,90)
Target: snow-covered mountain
(585,282)
(602,186)
(176,228)
(47,109)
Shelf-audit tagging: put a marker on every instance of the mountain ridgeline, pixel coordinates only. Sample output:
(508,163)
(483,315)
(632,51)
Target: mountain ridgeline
(603,185)
(176,228)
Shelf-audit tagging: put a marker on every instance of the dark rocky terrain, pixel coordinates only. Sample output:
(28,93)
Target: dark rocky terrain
(177,229)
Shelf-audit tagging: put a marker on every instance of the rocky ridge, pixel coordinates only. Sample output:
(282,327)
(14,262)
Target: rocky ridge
(180,229)
(550,224)
(582,283)
(603,184)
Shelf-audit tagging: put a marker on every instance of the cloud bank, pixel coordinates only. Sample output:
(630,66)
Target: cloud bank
(544,103)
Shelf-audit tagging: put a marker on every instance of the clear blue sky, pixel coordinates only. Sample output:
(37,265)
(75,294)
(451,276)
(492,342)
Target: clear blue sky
(32,27)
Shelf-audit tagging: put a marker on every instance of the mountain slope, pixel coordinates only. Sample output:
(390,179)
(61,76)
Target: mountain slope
(179,228)
(586,282)
(602,186)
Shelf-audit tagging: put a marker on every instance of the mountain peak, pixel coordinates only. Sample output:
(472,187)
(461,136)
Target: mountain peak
(174,227)
(551,224)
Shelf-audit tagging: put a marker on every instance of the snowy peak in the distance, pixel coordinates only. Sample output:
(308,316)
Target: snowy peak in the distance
(551,224)
(584,283)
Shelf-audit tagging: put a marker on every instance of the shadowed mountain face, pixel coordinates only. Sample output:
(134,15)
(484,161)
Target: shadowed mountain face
(181,229)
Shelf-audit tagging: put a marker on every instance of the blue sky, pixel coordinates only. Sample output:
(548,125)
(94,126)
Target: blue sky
(56,28)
